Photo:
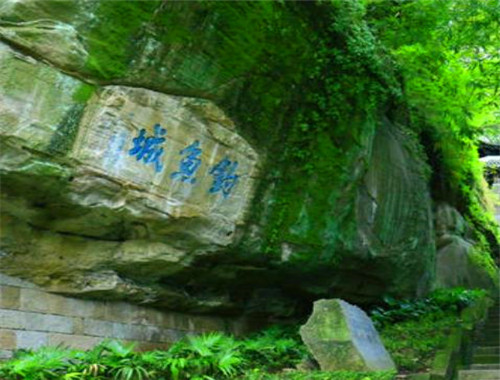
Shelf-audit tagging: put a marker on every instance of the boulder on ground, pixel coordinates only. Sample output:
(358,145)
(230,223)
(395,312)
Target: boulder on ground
(341,336)
(460,260)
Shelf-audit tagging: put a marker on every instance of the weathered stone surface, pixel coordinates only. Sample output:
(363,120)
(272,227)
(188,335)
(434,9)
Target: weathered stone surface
(341,336)
(14,319)
(115,117)
(459,260)
(151,346)
(47,39)
(394,217)
(8,339)
(82,342)
(31,10)
(143,51)
(145,333)
(6,354)
(343,210)
(31,339)
(9,297)
(188,200)
(35,103)
(108,176)
(30,322)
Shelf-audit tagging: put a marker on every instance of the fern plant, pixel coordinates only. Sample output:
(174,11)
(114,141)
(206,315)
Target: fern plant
(46,363)
(205,356)
(274,348)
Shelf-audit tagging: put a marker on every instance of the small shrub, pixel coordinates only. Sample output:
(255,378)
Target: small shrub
(207,356)
(320,375)
(413,330)
(274,348)
(440,301)
(45,363)
(413,343)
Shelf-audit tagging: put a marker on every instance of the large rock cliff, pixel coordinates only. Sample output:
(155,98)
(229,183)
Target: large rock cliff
(214,157)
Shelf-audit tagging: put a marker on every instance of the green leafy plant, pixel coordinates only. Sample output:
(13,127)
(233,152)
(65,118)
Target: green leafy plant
(204,357)
(45,363)
(413,330)
(447,55)
(413,343)
(440,301)
(274,348)
(124,363)
(320,375)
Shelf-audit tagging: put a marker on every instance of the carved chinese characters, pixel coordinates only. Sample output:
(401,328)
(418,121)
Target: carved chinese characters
(182,150)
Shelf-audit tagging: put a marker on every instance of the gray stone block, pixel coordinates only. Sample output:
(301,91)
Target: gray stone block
(8,339)
(340,336)
(5,354)
(22,320)
(74,341)
(94,327)
(40,301)
(479,375)
(14,281)
(12,319)
(9,297)
(31,339)
(129,332)
(49,322)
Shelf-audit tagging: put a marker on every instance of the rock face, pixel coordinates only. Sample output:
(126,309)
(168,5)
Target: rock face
(52,40)
(341,336)
(166,159)
(459,261)
(175,159)
(395,210)
(155,178)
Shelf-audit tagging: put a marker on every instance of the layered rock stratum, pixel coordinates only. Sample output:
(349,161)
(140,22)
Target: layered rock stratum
(155,152)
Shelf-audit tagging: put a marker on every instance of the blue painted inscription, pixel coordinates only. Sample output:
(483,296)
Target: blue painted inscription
(224,177)
(189,164)
(148,149)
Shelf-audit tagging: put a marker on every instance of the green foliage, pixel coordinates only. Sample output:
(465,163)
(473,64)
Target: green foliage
(428,66)
(320,375)
(112,35)
(447,53)
(43,364)
(83,93)
(413,343)
(439,301)
(123,362)
(109,360)
(240,34)
(482,259)
(413,330)
(347,80)
(205,356)
(274,348)
(201,357)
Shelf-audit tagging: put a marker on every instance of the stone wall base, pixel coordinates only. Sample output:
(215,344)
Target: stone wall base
(31,318)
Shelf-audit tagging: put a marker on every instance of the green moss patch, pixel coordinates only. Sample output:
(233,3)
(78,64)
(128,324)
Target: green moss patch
(111,36)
